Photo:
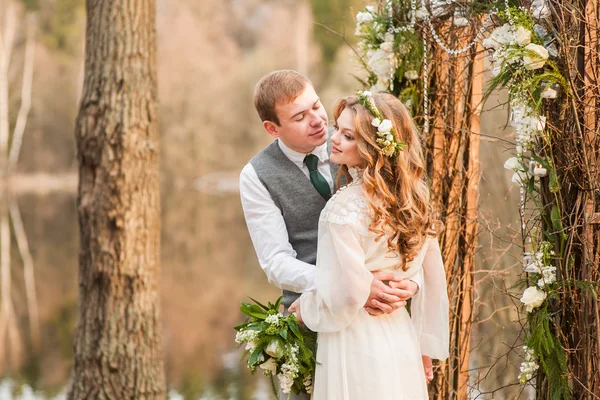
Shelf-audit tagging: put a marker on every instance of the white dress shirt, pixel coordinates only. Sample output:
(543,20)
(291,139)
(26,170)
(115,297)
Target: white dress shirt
(267,227)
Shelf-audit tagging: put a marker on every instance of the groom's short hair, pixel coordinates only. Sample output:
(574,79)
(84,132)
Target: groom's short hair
(277,87)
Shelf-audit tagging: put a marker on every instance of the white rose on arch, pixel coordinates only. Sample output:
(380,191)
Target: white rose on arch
(380,63)
(523,36)
(536,56)
(513,164)
(533,298)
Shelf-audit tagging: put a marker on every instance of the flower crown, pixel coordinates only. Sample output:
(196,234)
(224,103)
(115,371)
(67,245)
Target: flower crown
(386,134)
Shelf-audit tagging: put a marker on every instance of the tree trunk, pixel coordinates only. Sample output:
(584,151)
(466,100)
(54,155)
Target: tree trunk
(118,348)
(453,159)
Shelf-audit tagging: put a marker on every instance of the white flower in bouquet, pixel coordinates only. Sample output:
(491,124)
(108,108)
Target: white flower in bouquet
(536,60)
(274,318)
(274,349)
(245,336)
(376,122)
(496,70)
(385,126)
(380,63)
(269,366)
(285,382)
(251,345)
(533,298)
(548,276)
(523,36)
(308,384)
(411,75)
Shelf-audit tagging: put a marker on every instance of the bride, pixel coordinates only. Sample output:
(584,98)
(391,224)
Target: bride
(382,220)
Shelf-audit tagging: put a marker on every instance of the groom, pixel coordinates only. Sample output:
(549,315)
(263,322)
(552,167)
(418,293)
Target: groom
(284,188)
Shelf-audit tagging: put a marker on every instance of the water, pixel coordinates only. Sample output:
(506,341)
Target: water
(208,268)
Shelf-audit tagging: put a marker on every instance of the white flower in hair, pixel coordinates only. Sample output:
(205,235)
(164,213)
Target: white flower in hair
(386,135)
(385,126)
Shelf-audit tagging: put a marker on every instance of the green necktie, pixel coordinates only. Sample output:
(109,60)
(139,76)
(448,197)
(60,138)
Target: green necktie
(316,178)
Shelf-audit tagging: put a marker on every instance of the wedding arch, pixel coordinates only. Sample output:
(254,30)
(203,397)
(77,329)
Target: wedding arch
(546,53)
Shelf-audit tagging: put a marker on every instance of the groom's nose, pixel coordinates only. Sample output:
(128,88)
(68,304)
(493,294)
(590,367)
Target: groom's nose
(316,119)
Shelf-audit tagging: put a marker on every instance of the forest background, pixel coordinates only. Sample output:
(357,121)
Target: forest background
(210,55)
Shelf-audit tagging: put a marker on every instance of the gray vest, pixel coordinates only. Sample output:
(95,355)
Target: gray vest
(298,200)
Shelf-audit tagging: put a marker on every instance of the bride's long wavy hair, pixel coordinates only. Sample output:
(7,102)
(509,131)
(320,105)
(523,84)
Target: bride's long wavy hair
(396,188)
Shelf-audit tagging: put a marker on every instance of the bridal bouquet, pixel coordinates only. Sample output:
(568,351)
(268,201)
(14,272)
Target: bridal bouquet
(277,345)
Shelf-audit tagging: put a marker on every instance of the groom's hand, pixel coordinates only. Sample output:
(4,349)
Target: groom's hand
(388,293)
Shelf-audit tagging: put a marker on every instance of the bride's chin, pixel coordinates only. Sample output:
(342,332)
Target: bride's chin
(333,157)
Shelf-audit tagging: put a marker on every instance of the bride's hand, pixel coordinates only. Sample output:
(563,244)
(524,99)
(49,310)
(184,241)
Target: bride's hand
(295,309)
(428,368)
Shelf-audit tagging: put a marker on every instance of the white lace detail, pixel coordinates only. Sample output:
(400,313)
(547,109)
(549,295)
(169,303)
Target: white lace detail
(356,173)
(348,209)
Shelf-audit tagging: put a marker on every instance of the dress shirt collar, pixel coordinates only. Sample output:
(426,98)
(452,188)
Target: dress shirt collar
(298,158)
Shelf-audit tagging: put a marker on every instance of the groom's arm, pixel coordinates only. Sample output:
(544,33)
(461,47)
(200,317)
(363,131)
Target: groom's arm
(270,238)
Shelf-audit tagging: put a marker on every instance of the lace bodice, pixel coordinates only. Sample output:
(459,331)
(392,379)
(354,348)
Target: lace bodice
(348,206)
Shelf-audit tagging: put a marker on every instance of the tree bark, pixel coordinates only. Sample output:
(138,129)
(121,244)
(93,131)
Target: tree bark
(118,348)
(453,160)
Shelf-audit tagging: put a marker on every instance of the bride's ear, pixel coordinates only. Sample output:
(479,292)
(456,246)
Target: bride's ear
(271,128)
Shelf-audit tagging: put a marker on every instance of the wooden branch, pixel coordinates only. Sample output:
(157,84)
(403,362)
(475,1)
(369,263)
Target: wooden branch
(7,36)
(25,93)
(8,322)
(28,272)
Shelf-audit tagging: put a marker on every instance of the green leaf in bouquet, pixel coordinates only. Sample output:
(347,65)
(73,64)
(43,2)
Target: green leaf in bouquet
(257,326)
(256,355)
(259,303)
(283,333)
(240,327)
(278,302)
(253,310)
(295,329)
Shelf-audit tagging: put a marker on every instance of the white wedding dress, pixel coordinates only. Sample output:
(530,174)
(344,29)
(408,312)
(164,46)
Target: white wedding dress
(363,357)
